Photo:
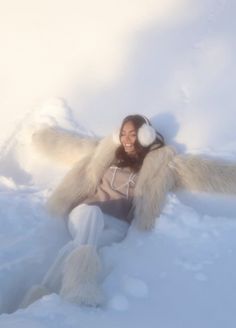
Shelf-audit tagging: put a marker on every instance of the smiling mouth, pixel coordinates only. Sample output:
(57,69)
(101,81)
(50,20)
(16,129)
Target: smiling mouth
(128,146)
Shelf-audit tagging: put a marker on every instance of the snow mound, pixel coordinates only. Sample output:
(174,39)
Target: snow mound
(18,159)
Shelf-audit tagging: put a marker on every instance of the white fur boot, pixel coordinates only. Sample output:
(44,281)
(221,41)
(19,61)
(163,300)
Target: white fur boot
(80,282)
(34,293)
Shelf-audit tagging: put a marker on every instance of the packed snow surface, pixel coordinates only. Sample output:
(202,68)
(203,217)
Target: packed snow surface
(174,63)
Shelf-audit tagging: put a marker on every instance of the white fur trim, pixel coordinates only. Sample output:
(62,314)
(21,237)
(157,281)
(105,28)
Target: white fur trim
(155,180)
(34,293)
(62,146)
(200,173)
(116,136)
(81,275)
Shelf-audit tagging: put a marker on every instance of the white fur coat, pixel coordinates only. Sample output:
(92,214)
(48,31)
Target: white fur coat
(162,171)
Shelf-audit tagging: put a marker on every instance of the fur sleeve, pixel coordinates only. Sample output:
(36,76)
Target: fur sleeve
(154,182)
(72,190)
(81,181)
(197,173)
(61,146)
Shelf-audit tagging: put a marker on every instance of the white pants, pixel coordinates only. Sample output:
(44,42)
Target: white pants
(88,225)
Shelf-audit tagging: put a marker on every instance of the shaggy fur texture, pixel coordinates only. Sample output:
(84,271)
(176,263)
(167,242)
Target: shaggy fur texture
(154,181)
(35,293)
(197,173)
(63,146)
(81,181)
(161,172)
(103,157)
(80,282)
(73,189)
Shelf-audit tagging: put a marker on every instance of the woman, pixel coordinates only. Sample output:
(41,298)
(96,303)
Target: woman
(114,182)
(99,216)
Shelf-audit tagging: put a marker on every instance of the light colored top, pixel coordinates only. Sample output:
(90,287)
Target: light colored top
(114,194)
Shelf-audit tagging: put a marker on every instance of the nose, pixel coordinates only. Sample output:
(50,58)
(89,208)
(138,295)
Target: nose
(126,139)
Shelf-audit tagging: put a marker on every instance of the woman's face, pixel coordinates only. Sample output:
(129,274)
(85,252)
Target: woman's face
(128,137)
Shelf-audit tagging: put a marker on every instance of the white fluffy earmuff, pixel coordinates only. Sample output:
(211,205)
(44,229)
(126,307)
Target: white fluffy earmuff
(146,134)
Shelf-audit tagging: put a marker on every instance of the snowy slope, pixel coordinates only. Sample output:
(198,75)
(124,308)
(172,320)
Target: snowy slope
(174,63)
(181,274)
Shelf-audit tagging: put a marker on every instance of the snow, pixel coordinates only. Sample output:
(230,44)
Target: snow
(95,63)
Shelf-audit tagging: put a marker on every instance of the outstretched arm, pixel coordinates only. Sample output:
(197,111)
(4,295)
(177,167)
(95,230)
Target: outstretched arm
(199,173)
(63,146)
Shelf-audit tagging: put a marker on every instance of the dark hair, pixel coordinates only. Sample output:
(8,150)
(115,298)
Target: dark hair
(135,163)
